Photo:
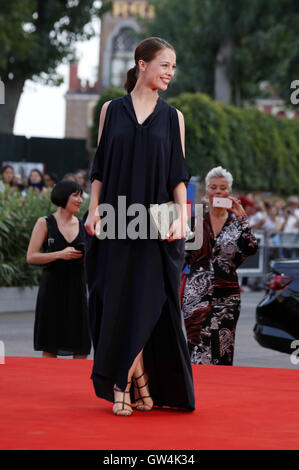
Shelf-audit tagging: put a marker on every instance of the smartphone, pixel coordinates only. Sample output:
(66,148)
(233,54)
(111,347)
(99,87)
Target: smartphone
(222,202)
(80,247)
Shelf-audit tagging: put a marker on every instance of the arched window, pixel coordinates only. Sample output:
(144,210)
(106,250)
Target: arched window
(122,58)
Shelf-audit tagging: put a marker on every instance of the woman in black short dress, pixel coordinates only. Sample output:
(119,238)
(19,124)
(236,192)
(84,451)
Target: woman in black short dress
(136,322)
(61,318)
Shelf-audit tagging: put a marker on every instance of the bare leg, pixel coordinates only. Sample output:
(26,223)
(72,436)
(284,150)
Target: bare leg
(46,354)
(122,401)
(124,396)
(144,401)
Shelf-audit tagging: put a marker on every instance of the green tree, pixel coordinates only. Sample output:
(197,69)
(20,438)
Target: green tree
(225,48)
(35,37)
(288,52)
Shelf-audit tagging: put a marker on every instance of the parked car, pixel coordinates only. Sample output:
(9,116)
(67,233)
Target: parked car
(277,315)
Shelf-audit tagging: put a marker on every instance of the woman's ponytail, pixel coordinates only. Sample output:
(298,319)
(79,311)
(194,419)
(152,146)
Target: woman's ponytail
(131,79)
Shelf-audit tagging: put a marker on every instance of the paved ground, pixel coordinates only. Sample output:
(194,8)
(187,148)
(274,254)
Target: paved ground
(16,331)
(247,351)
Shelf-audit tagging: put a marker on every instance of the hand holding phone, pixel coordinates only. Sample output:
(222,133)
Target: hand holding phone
(222,202)
(81,247)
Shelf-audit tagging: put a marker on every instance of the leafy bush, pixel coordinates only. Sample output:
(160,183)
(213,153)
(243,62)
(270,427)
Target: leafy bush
(261,151)
(18,215)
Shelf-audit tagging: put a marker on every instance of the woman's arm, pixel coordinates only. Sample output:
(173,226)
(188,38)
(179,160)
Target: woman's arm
(178,228)
(93,218)
(38,237)
(247,242)
(180,191)
(180,198)
(182,129)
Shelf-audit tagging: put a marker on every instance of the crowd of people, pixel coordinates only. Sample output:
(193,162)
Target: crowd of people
(38,181)
(272,215)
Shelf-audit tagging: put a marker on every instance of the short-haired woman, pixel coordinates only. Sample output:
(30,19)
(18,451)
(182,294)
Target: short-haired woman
(134,283)
(61,317)
(210,294)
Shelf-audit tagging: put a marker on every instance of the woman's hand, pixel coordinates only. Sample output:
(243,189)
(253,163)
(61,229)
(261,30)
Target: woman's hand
(93,224)
(70,253)
(237,207)
(177,230)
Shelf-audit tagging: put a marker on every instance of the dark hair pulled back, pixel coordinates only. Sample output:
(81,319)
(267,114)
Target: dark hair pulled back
(146,50)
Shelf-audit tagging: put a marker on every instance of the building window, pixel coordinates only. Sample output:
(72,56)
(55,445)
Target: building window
(122,59)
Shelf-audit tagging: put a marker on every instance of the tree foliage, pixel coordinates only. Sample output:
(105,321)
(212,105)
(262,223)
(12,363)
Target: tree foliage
(35,37)
(262,36)
(38,35)
(261,151)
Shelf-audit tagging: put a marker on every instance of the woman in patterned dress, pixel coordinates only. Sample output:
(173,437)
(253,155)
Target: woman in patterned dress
(210,294)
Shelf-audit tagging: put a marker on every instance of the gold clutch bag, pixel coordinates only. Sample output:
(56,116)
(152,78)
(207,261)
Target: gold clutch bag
(163,216)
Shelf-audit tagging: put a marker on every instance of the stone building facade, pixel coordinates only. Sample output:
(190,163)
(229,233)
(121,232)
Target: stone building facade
(80,102)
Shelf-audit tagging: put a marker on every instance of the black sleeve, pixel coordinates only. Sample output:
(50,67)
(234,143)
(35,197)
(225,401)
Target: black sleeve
(97,168)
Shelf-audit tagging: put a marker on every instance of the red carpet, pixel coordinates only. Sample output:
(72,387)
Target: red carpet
(50,404)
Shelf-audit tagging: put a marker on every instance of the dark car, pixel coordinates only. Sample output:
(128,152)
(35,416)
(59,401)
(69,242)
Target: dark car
(277,315)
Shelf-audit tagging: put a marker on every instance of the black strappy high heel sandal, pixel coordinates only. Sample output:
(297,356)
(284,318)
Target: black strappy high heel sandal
(144,406)
(120,411)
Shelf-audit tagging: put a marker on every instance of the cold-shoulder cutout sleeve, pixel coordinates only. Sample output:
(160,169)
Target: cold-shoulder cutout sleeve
(97,169)
(178,169)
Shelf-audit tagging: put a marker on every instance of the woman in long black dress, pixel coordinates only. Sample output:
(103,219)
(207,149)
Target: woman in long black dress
(136,322)
(61,317)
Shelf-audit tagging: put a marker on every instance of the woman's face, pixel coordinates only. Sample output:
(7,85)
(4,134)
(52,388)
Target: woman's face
(159,71)
(80,179)
(218,187)
(35,177)
(8,175)
(74,202)
(49,183)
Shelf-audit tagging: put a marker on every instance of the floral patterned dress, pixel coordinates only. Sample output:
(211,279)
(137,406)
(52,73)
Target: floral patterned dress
(210,293)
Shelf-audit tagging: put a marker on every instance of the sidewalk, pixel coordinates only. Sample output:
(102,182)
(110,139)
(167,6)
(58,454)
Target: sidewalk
(16,331)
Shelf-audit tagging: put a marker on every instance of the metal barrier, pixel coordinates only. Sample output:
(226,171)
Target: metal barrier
(282,245)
